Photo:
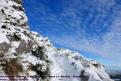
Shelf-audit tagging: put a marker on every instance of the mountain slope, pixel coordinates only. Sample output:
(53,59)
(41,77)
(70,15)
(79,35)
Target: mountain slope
(27,55)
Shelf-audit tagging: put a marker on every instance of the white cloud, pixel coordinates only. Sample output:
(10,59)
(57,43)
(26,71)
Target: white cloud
(108,47)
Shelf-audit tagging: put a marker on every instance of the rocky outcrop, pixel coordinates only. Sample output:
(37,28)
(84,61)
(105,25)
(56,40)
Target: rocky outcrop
(4,47)
(18,1)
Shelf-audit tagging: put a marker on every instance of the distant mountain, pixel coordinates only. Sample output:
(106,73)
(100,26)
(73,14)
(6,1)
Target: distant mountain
(26,55)
(115,74)
(116,77)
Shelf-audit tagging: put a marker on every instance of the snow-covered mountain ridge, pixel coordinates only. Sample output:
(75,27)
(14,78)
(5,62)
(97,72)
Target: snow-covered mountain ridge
(26,55)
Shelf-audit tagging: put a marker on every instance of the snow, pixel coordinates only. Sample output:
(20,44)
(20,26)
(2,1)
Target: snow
(3,38)
(64,62)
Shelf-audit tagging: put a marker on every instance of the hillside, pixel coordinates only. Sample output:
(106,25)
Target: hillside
(25,54)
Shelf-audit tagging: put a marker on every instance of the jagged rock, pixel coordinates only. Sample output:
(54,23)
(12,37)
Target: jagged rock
(18,8)
(24,47)
(4,47)
(18,1)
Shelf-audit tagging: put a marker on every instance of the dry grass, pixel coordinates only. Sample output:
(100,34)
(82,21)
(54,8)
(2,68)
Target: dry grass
(12,68)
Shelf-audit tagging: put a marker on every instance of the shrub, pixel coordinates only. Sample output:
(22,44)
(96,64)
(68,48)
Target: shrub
(3,12)
(38,69)
(19,8)
(16,37)
(39,52)
(4,27)
(96,65)
(18,1)
(83,76)
(12,68)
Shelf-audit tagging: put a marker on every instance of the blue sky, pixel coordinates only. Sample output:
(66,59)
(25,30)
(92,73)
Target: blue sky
(91,27)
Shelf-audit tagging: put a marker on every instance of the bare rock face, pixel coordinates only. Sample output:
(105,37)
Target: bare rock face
(26,53)
(24,47)
(4,47)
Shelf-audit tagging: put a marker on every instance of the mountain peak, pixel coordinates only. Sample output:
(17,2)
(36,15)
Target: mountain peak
(12,14)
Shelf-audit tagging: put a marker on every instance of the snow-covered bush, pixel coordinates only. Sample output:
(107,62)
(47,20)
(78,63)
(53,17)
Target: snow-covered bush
(18,8)
(4,27)
(38,68)
(83,76)
(16,36)
(39,52)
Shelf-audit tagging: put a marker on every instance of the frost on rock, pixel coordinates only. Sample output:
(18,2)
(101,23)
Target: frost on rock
(26,53)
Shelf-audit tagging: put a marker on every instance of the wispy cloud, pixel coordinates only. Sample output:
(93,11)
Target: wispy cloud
(84,25)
